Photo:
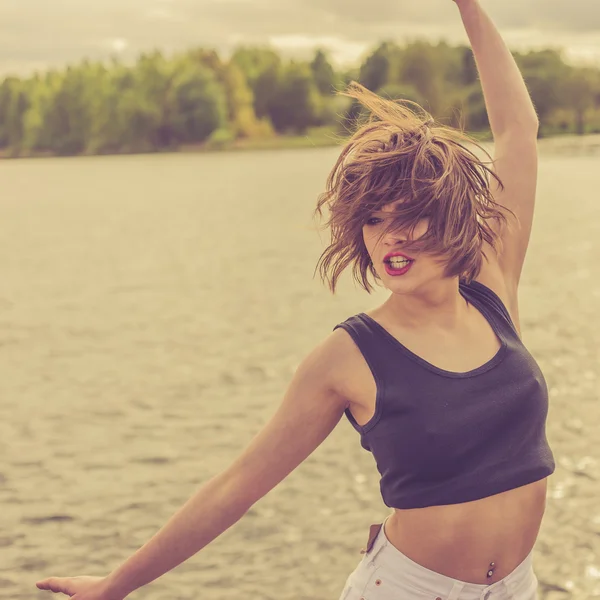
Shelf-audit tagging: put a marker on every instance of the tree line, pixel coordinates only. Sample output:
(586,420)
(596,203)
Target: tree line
(196,97)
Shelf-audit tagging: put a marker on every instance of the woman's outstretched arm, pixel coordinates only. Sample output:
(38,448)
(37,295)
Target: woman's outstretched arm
(507,99)
(310,410)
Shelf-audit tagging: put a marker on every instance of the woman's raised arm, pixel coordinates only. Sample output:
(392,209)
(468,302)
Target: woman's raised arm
(514,124)
(508,103)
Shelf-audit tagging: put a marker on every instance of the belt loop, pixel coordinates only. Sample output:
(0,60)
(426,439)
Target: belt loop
(456,590)
(374,556)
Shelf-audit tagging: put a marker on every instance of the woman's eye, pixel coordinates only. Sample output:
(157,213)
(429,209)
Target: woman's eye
(373,221)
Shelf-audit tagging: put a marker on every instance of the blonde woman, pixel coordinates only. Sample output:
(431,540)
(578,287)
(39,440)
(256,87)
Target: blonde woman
(436,380)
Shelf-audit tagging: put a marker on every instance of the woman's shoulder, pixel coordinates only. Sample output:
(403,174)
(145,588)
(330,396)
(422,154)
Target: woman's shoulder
(346,363)
(338,347)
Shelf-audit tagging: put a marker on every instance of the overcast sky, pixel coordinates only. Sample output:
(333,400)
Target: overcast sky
(41,33)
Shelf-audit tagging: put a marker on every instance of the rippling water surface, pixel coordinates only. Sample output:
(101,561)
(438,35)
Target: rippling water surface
(152,312)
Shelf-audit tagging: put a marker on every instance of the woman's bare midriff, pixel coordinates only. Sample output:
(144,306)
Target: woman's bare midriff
(461,540)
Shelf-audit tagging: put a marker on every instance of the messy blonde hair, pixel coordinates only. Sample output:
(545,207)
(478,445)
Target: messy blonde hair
(399,154)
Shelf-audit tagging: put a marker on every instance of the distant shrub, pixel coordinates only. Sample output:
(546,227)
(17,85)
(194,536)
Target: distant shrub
(220,138)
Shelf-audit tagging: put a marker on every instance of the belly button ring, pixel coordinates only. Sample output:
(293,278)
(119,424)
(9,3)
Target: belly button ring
(491,571)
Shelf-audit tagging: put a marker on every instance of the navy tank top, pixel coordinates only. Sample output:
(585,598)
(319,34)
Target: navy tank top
(440,437)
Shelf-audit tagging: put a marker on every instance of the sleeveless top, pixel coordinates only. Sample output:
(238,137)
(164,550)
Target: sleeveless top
(440,437)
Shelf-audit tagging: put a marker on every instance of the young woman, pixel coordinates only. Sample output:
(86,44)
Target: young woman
(436,380)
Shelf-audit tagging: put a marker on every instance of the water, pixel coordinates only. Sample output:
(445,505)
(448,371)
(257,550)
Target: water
(152,312)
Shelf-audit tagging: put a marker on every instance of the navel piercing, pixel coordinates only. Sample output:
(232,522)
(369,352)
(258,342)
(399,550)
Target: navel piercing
(491,571)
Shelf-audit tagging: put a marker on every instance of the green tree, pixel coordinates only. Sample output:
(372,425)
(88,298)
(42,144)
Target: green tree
(67,116)
(420,69)
(378,67)
(108,126)
(255,61)
(579,92)
(200,106)
(476,117)
(8,88)
(323,73)
(297,103)
(469,74)
(37,135)
(266,90)
(15,101)
(240,103)
(544,72)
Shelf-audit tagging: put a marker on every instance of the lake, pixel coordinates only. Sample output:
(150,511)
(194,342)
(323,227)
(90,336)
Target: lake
(152,312)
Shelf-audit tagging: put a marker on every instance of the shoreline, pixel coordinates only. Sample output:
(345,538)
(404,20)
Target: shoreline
(319,139)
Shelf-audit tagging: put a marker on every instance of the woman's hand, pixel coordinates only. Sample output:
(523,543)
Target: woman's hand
(80,588)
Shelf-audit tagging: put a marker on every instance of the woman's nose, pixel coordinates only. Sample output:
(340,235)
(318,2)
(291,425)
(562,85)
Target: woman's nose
(395,239)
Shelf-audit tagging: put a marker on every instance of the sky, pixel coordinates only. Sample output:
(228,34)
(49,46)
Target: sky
(40,34)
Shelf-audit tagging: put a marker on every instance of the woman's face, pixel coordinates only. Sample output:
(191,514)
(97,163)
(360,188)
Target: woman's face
(396,273)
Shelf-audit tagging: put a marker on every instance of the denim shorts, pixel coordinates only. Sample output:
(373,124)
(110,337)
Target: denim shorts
(385,573)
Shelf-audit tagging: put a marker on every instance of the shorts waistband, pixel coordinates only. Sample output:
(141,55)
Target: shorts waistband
(384,553)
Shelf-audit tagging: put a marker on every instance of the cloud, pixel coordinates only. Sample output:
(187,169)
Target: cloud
(38,33)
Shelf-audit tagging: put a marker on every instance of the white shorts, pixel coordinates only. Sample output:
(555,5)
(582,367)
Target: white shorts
(385,573)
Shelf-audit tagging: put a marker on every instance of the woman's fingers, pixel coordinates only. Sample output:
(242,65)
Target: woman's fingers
(84,586)
(62,585)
